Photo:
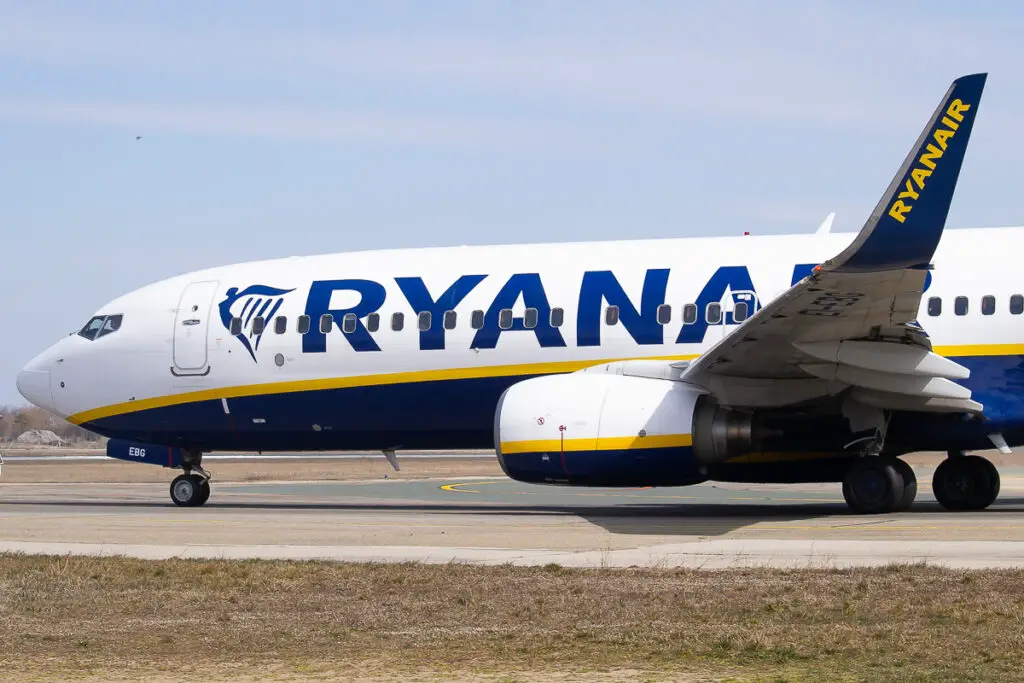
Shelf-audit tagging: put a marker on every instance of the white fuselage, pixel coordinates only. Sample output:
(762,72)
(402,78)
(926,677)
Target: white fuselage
(174,346)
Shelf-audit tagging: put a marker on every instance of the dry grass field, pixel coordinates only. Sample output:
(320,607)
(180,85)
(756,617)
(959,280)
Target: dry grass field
(120,619)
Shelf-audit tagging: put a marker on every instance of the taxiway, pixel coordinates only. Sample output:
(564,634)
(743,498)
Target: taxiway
(494,520)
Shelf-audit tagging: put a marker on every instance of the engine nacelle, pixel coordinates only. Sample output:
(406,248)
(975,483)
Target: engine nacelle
(590,429)
(598,430)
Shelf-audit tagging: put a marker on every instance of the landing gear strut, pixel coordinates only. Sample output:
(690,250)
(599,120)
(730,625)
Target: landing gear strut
(877,484)
(965,482)
(191,489)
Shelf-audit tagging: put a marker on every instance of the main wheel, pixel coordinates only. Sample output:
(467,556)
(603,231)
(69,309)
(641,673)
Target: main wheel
(873,486)
(906,472)
(189,490)
(967,482)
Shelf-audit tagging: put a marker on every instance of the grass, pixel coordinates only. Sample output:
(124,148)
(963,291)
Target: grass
(81,618)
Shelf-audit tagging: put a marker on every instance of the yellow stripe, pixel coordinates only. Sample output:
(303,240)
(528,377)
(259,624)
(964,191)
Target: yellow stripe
(348,382)
(607,443)
(980,350)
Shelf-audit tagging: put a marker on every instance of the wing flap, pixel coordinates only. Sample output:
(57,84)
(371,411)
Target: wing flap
(901,359)
(908,385)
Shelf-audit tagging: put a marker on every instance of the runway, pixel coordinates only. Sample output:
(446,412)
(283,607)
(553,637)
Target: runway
(494,520)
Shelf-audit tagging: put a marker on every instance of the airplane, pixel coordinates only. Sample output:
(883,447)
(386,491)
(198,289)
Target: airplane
(788,358)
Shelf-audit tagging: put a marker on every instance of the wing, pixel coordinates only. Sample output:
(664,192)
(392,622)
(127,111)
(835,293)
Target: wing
(851,322)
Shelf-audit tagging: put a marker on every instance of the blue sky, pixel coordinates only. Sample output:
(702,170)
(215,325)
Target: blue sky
(272,129)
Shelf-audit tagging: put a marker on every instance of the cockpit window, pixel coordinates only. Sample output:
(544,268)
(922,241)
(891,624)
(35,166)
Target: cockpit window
(100,326)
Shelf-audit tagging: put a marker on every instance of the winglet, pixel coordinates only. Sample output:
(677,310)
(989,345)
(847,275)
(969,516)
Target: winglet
(826,225)
(904,229)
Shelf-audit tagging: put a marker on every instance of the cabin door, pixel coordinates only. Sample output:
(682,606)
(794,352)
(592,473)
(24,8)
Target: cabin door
(192,327)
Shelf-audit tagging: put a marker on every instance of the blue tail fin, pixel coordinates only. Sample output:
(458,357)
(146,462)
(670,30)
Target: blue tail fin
(905,227)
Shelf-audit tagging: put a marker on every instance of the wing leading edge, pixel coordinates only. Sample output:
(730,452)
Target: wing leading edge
(869,293)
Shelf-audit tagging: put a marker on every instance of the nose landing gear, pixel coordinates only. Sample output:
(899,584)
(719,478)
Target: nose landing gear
(192,488)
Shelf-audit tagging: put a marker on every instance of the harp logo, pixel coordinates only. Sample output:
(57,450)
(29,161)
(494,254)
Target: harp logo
(240,309)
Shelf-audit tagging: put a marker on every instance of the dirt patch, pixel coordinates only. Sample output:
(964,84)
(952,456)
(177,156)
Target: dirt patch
(290,469)
(113,618)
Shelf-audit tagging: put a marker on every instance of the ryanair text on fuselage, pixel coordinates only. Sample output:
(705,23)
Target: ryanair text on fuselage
(597,289)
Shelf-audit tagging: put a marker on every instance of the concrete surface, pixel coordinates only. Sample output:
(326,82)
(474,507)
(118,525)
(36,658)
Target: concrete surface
(495,520)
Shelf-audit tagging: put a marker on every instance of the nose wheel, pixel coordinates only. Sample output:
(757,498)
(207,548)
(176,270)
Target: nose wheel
(190,490)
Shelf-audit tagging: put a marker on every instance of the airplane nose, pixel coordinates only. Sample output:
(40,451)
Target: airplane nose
(34,385)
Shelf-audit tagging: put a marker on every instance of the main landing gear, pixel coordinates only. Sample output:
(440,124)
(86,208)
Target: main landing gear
(879,484)
(192,488)
(965,482)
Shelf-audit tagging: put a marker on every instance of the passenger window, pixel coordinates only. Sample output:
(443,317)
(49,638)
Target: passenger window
(1016,304)
(259,324)
(423,321)
(935,306)
(476,320)
(611,315)
(988,304)
(397,321)
(960,305)
(326,323)
(664,314)
(689,314)
(450,320)
(505,319)
(236,326)
(373,322)
(530,316)
(557,317)
(280,324)
(739,311)
(348,323)
(713,313)
(302,324)
(110,325)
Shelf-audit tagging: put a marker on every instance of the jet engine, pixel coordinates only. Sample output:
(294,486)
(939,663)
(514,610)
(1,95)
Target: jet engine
(588,429)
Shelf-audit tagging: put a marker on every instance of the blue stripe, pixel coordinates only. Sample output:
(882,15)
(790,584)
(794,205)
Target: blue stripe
(628,467)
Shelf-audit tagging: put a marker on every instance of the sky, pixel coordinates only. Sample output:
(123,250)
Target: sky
(140,140)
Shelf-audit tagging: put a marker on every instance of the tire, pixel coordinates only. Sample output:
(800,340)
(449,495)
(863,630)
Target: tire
(872,486)
(185,490)
(204,491)
(967,482)
(906,472)
(994,484)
